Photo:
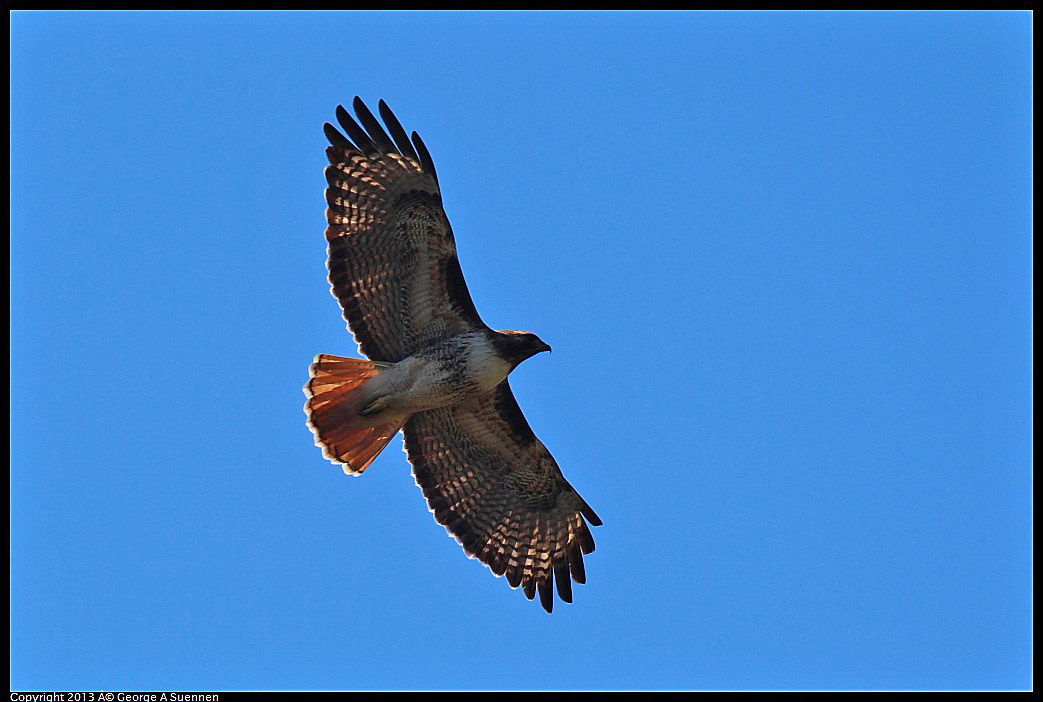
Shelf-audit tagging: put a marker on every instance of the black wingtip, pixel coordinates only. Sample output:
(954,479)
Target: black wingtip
(562,580)
(334,136)
(373,128)
(584,538)
(529,588)
(576,569)
(356,133)
(546,588)
(425,156)
(405,147)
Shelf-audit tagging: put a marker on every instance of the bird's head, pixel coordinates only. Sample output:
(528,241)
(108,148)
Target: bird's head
(516,346)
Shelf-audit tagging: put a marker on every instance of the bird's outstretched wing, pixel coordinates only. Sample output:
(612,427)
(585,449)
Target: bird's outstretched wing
(392,257)
(498,491)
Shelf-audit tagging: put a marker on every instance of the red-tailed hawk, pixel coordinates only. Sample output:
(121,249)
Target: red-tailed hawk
(435,370)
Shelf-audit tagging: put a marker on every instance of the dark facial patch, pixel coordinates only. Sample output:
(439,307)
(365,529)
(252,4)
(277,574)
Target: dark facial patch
(517,346)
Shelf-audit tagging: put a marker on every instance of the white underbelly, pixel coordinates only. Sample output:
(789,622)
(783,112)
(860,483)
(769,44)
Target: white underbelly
(428,380)
(489,370)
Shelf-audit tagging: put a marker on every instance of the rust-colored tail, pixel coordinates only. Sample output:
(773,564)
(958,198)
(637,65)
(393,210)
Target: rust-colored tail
(336,394)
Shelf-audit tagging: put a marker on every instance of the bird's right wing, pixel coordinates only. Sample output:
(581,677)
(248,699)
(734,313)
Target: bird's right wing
(392,257)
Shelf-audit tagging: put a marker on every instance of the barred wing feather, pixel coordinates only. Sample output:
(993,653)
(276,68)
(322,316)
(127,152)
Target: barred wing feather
(498,491)
(392,256)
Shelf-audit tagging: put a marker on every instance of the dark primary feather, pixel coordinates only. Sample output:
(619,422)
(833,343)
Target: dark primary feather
(425,157)
(356,133)
(397,133)
(336,138)
(373,128)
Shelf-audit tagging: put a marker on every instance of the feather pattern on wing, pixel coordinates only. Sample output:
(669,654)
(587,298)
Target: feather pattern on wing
(392,256)
(498,491)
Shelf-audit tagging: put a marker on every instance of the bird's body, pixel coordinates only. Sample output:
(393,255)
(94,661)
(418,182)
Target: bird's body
(436,371)
(442,374)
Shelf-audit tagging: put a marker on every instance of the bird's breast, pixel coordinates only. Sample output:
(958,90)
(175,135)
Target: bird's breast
(446,373)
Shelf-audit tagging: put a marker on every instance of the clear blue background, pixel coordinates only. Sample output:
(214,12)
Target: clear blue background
(785,264)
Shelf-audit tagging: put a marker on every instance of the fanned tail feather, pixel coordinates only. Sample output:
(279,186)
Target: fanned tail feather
(336,394)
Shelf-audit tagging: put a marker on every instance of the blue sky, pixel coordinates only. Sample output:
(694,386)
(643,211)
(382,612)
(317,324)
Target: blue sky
(784,261)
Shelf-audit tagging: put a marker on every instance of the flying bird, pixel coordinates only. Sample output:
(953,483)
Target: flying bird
(435,370)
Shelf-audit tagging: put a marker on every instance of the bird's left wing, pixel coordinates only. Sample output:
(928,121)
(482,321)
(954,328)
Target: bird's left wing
(498,491)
